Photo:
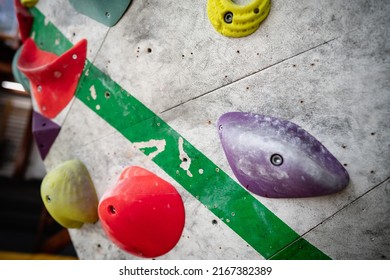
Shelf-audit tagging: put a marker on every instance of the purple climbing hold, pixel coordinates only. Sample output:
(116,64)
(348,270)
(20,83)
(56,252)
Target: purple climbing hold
(45,132)
(272,157)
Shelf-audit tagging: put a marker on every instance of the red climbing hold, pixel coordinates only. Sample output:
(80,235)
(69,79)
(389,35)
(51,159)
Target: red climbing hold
(53,78)
(25,20)
(143,214)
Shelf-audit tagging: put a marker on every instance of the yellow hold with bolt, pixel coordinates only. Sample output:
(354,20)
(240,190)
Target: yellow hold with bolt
(69,194)
(234,20)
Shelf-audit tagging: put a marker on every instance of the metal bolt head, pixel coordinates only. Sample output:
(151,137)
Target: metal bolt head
(228,17)
(276,159)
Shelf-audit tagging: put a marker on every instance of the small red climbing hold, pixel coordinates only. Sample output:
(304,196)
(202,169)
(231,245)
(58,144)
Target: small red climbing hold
(143,214)
(25,20)
(53,79)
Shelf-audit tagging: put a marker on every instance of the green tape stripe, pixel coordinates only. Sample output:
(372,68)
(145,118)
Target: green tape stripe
(237,208)
(47,36)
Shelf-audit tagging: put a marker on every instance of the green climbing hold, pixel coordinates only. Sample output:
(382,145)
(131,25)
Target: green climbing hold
(18,75)
(104,11)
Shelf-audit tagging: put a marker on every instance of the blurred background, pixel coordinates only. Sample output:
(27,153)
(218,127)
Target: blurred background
(26,229)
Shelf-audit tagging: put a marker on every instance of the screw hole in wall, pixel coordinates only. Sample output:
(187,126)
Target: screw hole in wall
(111,209)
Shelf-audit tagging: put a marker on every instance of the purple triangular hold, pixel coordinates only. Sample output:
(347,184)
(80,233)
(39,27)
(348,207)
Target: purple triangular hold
(45,132)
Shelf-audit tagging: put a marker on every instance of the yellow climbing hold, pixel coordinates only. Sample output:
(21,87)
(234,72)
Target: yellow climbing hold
(69,195)
(29,3)
(234,20)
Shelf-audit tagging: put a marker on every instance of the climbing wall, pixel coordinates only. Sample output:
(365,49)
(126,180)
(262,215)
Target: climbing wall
(155,84)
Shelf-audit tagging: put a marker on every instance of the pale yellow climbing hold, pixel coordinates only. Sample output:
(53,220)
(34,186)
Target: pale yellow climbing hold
(234,20)
(29,3)
(69,194)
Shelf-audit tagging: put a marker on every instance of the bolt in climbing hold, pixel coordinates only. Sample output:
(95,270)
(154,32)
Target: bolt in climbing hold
(234,20)
(142,214)
(40,66)
(69,194)
(103,11)
(272,157)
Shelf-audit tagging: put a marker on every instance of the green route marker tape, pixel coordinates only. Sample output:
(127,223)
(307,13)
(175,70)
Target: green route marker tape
(223,196)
